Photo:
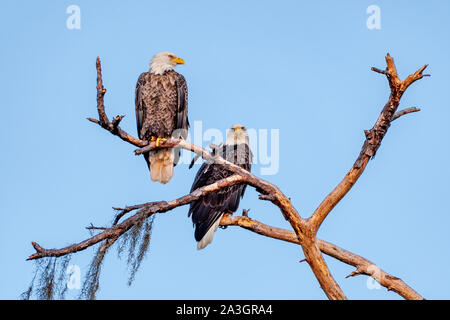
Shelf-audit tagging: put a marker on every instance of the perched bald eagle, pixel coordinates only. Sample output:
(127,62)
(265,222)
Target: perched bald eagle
(207,211)
(162,112)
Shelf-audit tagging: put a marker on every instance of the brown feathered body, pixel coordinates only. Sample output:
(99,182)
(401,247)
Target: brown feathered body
(161,112)
(207,211)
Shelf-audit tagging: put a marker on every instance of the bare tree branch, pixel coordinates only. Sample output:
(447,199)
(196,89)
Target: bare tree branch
(103,121)
(362,265)
(404,111)
(146,210)
(373,140)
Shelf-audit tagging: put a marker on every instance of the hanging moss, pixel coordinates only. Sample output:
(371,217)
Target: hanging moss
(91,283)
(50,276)
(45,285)
(137,257)
(61,281)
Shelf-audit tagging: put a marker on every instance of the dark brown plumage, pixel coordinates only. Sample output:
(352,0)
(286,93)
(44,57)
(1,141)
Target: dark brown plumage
(208,210)
(161,104)
(161,112)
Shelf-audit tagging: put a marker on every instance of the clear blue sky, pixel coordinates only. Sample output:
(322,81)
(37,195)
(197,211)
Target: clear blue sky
(301,67)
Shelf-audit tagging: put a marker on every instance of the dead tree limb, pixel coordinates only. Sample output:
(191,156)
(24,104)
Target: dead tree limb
(362,265)
(373,140)
(404,111)
(145,211)
(305,230)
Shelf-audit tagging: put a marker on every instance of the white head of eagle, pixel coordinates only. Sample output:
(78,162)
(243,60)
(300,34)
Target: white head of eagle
(237,135)
(163,62)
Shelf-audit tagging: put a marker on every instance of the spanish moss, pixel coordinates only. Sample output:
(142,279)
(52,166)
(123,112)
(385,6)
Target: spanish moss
(143,248)
(45,285)
(91,284)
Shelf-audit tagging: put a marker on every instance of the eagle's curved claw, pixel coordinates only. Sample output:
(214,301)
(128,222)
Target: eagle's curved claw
(158,140)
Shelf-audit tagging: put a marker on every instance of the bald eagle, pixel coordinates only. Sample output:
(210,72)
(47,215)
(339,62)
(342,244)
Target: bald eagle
(207,211)
(162,112)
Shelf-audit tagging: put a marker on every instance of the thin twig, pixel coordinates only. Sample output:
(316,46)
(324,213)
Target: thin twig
(403,112)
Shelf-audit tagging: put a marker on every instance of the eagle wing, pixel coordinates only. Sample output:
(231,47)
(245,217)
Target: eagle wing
(182,111)
(182,122)
(139,102)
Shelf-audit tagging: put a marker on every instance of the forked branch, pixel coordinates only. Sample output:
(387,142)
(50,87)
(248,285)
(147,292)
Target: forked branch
(373,140)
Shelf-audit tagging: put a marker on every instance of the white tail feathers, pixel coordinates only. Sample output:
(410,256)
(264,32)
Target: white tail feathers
(208,237)
(161,165)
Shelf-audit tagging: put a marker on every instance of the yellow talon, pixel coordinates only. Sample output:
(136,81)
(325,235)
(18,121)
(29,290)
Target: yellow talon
(158,140)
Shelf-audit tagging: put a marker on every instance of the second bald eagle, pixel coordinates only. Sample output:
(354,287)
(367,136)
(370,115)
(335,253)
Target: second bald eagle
(208,211)
(162,112)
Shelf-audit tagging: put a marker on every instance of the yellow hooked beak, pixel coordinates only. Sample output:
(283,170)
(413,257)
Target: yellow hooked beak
(178,60)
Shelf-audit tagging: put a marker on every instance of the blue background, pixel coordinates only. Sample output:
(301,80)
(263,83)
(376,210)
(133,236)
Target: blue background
(301,67)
